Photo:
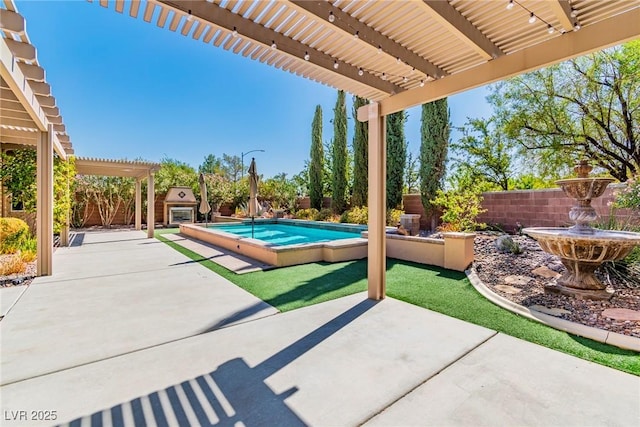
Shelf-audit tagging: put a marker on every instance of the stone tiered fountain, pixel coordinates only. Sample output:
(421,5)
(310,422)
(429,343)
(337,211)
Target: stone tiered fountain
(581,248)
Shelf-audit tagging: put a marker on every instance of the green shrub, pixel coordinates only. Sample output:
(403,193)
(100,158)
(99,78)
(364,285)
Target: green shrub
(324,215)
(356,215)
(309,214)
(393,217)
(14,234)
(460,208)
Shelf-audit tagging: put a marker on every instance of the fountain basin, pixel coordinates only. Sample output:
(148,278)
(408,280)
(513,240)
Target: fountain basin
(582,254)
(583,189)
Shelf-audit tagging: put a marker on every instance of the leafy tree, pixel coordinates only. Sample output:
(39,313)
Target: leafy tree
(18,175)
(175,173)
(107,193)
(434,134)
(232,167)
(360,156)
(317,161)
(280,191)
(587,107)
(485,152)
(339,155)
(219,190)
(211,164)
(411,174)
(396,158)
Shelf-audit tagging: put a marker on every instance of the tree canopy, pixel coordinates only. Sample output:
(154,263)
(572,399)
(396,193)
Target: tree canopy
(339,155)
(587,108)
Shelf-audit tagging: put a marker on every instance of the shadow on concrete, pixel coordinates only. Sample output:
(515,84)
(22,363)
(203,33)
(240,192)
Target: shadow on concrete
(76,240)
(306,291)
(233,393)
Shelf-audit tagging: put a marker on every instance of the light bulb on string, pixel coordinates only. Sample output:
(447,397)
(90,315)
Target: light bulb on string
(532,18)
(379,50)
(306,56)
(421,83)
(356,35)
(384,76)
(510,5)
(332,17)
(360,72)
(335,65)
(274,46)
(577,26)
(574,13)
(550,29)
(234,33)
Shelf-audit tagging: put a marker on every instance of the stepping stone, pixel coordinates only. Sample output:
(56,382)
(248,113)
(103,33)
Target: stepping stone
(517,280)
(508,289)
(622,314)
(551,311)
(546,272)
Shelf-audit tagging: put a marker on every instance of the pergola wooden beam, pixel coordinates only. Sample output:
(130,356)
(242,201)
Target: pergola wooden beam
(464,30)
(223,18)
(32,72)
(347,23)
(610,32)
(11,22)
(562,9)
(21,50)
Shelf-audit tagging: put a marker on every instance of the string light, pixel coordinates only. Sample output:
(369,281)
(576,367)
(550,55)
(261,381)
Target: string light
(550,29)
(532,18)
(189,16)
(405,79)
(332,17)
(356,35)
(360,72)
(384,76)
(379,50)
(274,46)
(574,13)
(510,5)
(577,26)
(398,60)
(421,83)
(335,65)
(306,56)
(234,33)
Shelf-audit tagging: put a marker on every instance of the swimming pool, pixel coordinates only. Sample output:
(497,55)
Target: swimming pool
(285,242)
(285,234)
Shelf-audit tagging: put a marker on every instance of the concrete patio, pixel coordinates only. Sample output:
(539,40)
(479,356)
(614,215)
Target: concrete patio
(128,331)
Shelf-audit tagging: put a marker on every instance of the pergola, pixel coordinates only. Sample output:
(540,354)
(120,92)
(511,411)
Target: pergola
(130,169)
(397,54)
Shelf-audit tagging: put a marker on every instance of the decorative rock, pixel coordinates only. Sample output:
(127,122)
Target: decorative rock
(622,314)
(517,280)
(504,243)
(546,272)
(507,289)
(551,311)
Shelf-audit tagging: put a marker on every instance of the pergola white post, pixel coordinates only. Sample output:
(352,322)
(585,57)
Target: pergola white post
(377,253)
(151,200)
(44,203)
(138,203)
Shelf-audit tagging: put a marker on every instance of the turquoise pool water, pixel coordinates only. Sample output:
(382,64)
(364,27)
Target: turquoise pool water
(284,234)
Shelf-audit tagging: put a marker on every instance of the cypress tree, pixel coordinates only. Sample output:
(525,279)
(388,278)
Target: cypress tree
(434,133)
(339,155)
(396,158)
(317,159)
(360,156)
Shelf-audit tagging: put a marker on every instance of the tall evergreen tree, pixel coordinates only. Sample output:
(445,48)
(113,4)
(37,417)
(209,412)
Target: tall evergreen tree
(360,156)
(434,133)
(317,159)
(339,157)
(396,158)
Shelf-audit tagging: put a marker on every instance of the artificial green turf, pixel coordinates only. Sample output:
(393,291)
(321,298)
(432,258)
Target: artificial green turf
(444,291)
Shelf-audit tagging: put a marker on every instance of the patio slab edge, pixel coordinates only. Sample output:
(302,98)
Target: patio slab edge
(612,338)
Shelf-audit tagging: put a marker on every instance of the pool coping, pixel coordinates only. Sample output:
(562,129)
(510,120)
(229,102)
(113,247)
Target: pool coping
(280,256)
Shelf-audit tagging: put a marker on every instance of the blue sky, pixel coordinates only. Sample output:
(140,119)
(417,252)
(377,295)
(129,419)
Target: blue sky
(128,89)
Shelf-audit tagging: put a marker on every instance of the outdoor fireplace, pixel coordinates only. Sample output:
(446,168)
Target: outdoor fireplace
(179,206)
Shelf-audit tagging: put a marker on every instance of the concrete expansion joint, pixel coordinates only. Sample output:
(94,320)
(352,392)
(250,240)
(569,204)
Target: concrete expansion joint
(430,377)
(14,302)
(606,337)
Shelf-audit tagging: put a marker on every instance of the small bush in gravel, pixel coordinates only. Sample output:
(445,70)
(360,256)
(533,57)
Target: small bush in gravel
(506,244)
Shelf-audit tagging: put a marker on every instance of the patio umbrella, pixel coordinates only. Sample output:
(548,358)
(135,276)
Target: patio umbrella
(204,204)
(253,188)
